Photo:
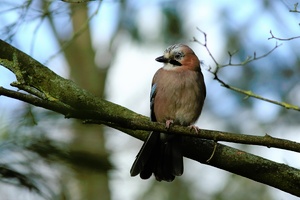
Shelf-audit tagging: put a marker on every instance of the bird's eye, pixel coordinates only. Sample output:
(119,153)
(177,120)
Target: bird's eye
(177,56)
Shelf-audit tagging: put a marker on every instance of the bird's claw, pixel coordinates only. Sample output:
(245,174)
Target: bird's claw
(168,123)
(196,128)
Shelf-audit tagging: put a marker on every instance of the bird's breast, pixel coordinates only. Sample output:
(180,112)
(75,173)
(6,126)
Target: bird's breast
(178,96)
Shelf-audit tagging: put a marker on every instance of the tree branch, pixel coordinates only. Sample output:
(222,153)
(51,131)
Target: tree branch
(48,90)
(89,116)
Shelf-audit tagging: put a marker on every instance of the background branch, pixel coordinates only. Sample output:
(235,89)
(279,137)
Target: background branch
(282,39)
(295,8)
(249,59)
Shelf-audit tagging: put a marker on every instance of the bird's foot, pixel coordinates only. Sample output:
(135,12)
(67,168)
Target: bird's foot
(196,128)
(168,123)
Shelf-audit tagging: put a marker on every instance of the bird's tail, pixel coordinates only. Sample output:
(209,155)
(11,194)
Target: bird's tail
(161,154)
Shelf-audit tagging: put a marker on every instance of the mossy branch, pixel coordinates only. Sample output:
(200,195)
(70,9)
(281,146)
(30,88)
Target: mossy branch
(46,89)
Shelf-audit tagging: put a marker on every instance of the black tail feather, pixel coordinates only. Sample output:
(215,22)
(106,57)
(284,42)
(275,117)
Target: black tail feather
(177,157)
(161,154)
(144,154)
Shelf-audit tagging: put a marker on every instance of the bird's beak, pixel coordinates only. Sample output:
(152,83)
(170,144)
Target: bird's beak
(162,59)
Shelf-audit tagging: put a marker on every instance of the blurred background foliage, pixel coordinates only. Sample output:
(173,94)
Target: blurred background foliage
(107,47)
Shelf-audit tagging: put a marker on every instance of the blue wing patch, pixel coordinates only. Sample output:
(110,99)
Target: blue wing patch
(152,96)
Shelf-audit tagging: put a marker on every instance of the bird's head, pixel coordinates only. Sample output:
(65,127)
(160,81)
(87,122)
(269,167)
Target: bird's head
(179,57)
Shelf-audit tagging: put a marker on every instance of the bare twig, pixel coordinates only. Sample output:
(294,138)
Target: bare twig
(282,39)
(205,45)
(248,60)
(295,8)
(249,93)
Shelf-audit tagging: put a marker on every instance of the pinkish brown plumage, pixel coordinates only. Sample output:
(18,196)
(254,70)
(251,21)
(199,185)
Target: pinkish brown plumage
(177,97)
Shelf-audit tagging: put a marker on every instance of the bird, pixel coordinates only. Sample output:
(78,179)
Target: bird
(177,96)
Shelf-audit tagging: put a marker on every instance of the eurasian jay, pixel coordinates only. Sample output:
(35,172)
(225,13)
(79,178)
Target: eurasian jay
(177,97)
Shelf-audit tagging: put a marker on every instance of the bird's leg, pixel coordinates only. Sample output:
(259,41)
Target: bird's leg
(168,123)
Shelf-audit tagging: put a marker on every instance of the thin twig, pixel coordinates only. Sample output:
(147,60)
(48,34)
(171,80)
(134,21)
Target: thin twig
(205,45)
(249,59)
(282,39)
(213,153)
(249,93)
(295,8)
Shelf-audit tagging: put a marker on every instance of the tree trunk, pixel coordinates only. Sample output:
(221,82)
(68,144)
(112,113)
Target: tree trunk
(83,70)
